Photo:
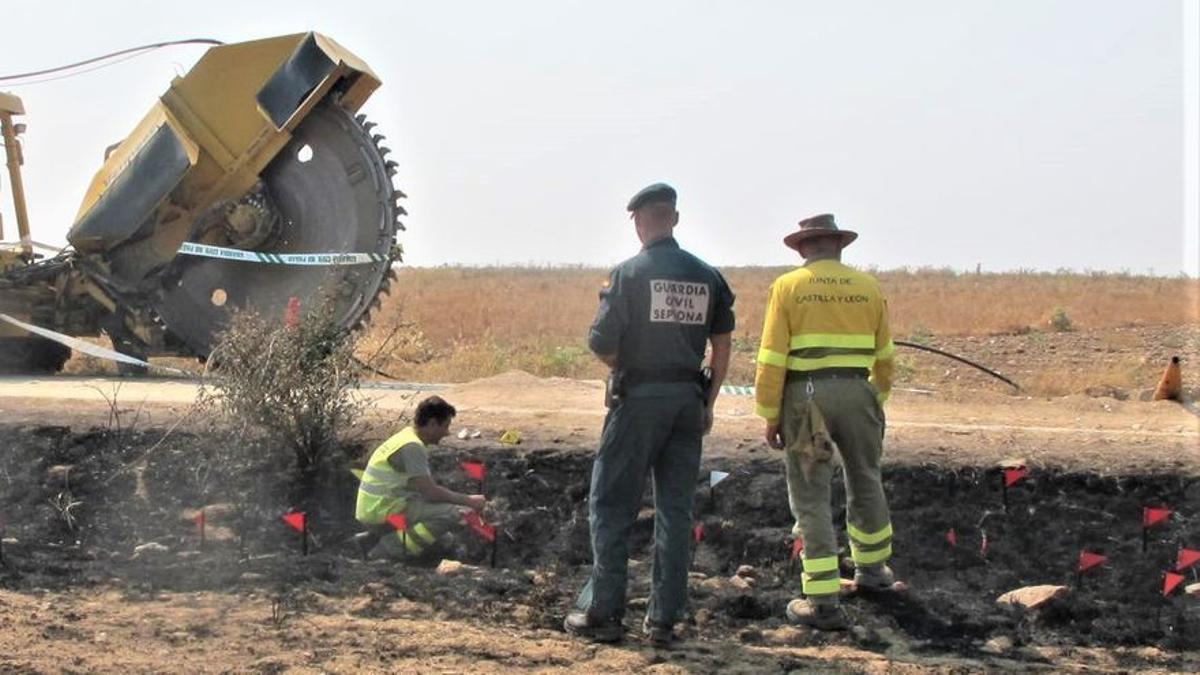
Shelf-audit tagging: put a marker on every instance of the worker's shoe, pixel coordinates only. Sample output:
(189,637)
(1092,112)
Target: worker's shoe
(874,578)
(819,615)
(581,624)
(659,635)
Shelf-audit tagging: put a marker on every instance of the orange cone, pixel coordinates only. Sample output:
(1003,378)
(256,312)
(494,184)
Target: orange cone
(1171,384)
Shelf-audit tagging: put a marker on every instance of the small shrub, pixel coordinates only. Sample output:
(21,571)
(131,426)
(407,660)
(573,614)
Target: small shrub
(294,386)
(1060,322)
(920,335)
(563,361)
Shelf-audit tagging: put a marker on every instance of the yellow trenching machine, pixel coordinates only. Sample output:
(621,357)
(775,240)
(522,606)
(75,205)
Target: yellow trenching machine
(251,159)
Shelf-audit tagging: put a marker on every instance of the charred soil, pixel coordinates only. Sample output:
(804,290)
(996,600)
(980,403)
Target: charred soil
(100,514)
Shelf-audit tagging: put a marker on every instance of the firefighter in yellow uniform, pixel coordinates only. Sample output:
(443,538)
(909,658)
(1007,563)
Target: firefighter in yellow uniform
(397,480)
(824,370)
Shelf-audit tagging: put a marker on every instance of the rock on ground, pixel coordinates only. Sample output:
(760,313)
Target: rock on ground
(1033,597)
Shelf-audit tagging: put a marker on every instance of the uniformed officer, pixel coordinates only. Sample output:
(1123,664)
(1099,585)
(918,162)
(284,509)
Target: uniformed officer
(826,330)
(657,312)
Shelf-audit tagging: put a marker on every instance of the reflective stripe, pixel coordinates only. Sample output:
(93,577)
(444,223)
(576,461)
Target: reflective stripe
(410,542)
(835,361)
(820,586)
(424,533)
(770,358)
(765,412)
(379,475)
(851,341)
(869,538)
(817,565)
(376,490)
(423,538)
(886,352)
(870,557)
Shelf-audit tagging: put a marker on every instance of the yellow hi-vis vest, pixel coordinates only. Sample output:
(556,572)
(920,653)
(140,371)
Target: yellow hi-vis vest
(381,490)
(822,315)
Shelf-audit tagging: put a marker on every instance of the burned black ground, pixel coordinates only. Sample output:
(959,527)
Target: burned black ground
(78,527)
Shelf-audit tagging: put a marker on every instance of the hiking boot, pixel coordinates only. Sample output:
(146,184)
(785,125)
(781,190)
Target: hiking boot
(581,624)
(875,579)
(365,542)
(822,616)
(659,635)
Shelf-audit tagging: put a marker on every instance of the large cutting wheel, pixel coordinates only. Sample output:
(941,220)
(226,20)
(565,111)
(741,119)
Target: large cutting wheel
(333,193)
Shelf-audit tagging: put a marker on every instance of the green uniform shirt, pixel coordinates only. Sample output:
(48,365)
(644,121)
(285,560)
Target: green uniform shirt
(659,309)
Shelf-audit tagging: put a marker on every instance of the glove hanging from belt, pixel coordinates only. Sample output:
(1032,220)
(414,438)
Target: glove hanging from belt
(809,441)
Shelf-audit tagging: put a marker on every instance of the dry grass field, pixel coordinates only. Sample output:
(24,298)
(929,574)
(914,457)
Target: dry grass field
(1063,333)
(1055,333)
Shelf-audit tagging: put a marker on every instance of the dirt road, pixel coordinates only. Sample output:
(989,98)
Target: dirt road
(1090,433)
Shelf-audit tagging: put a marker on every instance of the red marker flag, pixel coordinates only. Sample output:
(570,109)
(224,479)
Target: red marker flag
(475,470)
(952,537)
(1089,560)
(1170,582)
(1014,475)
(1187,558)
(698,532)
(797,547)
(1153,516)
(295,520)
(983,543)
(477,525)
(291,316)
(200,521)
(398,521)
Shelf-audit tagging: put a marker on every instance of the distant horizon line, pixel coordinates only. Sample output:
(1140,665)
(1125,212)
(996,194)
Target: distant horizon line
(945,270)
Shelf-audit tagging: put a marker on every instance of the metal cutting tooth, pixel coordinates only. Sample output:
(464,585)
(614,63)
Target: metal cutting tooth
(400,194)
(378,138)
(400,226)
(390,167)
(384,151)
(368,126)
(360,118)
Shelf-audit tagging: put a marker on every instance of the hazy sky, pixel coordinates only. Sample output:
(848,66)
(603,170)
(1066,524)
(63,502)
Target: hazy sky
(1009,133)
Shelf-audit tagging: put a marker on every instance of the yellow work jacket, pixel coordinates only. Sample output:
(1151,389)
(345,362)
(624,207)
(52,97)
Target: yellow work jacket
(822,315)
(382,488)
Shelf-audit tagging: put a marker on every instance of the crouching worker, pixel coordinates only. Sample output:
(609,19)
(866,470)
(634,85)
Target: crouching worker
(397,481)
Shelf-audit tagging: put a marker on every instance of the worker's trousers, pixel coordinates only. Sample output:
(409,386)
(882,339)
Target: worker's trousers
(659,435)
(427,521)
(855,421)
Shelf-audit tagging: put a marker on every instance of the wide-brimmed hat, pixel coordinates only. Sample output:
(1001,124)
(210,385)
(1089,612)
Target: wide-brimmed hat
(818,226)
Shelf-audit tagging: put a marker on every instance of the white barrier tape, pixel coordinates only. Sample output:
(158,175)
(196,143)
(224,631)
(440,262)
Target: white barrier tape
(87,347)
(222,253)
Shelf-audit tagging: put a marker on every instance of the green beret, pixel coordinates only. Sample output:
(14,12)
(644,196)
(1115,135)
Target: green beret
(659,192)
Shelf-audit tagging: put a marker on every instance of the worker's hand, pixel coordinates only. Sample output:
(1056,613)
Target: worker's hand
(476,502)
(774,436)
(708,419)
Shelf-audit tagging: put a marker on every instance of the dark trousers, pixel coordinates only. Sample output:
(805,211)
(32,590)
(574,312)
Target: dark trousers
(660,436)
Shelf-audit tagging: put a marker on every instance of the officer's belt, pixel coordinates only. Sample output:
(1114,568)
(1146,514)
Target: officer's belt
(827,374)
(636,376)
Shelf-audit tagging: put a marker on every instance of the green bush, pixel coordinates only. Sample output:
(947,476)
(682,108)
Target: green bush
(289,387)
(1060,322)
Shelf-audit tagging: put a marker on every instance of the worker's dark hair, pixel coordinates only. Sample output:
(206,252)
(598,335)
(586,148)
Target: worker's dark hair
(434,408)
